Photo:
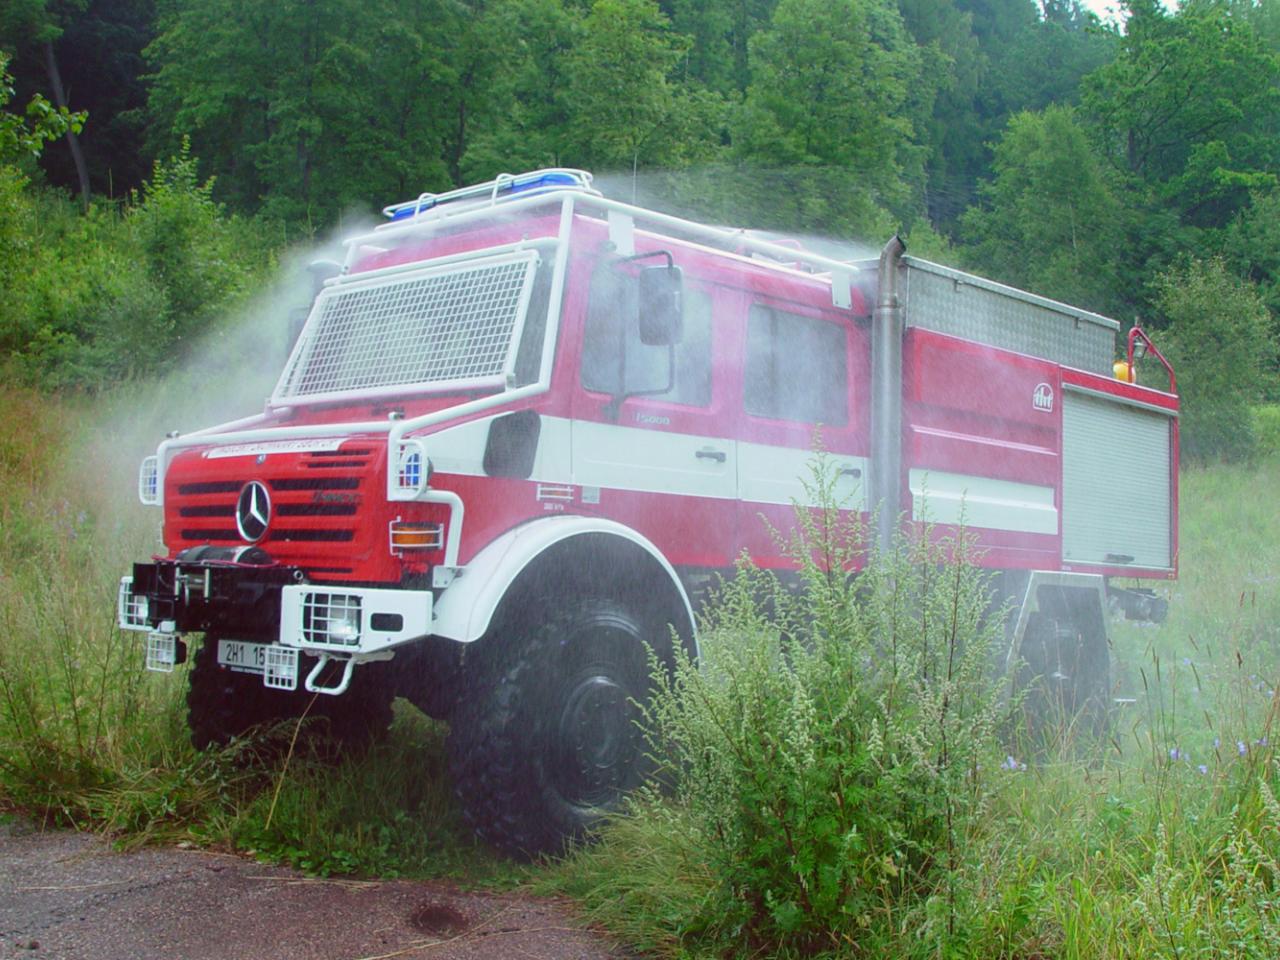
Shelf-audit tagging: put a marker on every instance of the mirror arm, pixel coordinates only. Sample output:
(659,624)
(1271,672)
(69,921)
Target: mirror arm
(613,408)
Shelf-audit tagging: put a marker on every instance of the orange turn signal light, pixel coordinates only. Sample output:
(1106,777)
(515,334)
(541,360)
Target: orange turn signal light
(406,535)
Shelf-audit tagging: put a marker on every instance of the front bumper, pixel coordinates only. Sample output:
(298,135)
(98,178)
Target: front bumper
(245,595)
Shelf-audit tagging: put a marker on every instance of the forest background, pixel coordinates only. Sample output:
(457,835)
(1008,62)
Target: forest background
(1129,168)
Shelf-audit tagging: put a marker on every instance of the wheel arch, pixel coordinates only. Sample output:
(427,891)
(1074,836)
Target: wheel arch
(580,553)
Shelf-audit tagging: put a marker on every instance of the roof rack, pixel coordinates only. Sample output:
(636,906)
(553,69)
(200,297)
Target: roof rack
(503,187)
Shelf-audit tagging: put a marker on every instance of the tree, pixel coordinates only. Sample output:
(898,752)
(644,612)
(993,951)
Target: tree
(1251,245)
(532,128)
(1188,108)
(951,53)
(1051,219)
(24,136)
(720,33)
(37,25)
(1219,339)
(624,108)
(830,103)
(309,107)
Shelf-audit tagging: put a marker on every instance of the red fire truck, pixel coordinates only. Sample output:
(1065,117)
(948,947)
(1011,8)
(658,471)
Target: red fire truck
(524,426)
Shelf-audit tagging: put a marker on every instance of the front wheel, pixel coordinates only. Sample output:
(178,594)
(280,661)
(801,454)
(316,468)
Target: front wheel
(547,739)
(223,704)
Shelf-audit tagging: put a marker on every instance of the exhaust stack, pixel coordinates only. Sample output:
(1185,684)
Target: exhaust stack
(887,327)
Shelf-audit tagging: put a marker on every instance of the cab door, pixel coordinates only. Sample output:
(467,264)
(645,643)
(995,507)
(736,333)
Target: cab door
(803,387)
(652,438)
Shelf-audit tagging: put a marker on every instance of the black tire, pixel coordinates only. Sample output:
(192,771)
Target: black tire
(223,704)
(1067,676)
(546,741)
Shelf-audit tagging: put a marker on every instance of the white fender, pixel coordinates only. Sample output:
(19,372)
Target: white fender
(466,607)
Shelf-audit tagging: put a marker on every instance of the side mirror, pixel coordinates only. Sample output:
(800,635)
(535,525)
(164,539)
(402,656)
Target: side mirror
(661,306)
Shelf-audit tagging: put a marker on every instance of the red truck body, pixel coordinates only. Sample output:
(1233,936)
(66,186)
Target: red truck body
(476,403)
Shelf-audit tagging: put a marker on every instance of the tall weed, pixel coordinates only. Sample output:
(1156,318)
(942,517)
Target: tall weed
(829,759)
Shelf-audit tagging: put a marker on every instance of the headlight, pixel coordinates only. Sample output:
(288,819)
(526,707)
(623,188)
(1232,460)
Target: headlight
(149,481)
(331,618)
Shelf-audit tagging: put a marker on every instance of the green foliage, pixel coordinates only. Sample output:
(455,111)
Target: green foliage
(1266,430)
(830,106)
(829,757)
(1186,106)
(23,136)
(1251,244)
(1221,344)
(1051,220)
(91,299)
(388,812)
(623,108)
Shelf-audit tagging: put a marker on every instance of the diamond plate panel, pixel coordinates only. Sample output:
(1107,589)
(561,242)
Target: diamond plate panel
(961,305)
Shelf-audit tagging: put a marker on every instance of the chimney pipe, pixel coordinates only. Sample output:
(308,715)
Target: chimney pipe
(887,328)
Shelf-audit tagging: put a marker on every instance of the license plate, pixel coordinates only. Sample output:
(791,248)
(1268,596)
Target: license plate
(242,656)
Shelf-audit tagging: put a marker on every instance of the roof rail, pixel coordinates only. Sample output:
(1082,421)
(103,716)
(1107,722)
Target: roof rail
(503,187)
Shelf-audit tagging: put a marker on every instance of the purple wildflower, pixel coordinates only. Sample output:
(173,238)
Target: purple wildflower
(1203,769)
(1217,742)
(1241,748)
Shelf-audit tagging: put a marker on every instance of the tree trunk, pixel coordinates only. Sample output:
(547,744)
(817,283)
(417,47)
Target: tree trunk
(73,142)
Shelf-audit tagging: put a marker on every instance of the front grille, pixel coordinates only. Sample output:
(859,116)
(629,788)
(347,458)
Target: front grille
(317,483)
(210,535)
(217,510)
(316,510)
(315,500)
(311,536)
(216,486)
(339,460)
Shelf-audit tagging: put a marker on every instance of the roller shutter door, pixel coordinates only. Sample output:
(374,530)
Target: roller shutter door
(1116,489)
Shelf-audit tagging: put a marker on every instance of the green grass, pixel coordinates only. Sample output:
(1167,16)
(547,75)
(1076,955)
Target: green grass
(1125,849)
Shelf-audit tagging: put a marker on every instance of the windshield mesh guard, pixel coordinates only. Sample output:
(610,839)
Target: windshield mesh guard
(454,325)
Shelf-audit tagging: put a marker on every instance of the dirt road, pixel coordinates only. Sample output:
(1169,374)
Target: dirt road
(71,897)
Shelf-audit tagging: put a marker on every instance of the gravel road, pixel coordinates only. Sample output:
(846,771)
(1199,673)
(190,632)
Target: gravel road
(70,896)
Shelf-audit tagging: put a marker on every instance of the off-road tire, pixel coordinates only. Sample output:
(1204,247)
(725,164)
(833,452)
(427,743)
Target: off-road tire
(1067,677)
(223,704)
(545,741)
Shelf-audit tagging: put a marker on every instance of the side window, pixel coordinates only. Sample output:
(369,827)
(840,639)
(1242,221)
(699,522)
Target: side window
(614,360)
(797,368)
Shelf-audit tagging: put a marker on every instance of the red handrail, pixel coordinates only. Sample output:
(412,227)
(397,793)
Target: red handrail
(1137,332)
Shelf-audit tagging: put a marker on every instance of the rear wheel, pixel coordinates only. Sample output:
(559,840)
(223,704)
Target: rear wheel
(547,740)
(1066,670)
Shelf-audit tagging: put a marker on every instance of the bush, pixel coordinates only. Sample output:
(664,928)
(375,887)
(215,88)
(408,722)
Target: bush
(827,761)
(1266,429)
(95,298)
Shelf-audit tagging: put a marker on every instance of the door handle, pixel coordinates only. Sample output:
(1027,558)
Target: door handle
(854,472)
(718,456)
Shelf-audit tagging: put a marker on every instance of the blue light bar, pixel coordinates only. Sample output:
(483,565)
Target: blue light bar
(495,190)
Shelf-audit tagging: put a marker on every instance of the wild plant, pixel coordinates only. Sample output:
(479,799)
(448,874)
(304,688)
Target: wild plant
(830,755)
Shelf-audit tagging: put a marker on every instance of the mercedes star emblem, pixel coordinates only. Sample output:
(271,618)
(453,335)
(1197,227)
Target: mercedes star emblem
(253,511)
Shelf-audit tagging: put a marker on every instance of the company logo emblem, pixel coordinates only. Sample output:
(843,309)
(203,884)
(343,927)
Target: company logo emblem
(253,511)
(1042,398)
